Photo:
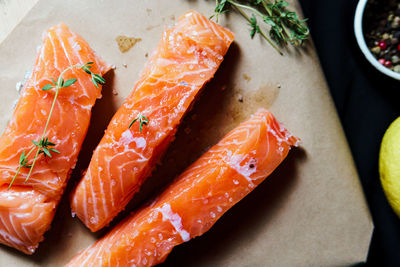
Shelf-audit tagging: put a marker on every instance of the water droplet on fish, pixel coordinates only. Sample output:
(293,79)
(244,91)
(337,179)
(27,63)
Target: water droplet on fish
(236,182)
(212,214)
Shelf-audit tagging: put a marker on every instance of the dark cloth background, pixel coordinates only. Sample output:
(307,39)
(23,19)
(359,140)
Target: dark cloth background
(367,102)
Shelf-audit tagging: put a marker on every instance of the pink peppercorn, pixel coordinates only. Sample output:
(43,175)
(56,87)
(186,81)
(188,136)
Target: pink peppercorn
(382,45)
(382,61)
(387,63)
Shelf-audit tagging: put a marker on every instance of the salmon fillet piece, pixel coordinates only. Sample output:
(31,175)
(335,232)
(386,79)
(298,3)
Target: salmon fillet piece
(191,205)
(186,58)
(27,209)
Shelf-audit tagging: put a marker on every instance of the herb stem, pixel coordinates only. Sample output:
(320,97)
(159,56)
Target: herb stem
(236,4)
(19,168)
(239,8)
(15,176)
(284,27)
(266,7)
(30,151)
(216,14)
(59,85)
(33,164)
(43,145)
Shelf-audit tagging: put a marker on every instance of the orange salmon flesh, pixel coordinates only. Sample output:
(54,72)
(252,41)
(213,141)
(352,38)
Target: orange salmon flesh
(193,203)
(27,209)
(186,58)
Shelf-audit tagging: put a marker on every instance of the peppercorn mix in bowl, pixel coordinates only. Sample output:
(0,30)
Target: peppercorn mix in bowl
(377,30)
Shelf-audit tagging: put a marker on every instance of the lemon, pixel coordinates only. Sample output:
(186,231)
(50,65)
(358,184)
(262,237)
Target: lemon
(389,165)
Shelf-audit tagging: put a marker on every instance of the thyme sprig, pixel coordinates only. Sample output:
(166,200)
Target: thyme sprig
(43,145)
(285,26)
(142,121)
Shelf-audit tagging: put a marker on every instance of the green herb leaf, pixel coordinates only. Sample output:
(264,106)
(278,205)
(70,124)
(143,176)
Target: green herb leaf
(87,70)
(43,146)
(55,150)
(47,87)
(46,152)
(254,26)
(22,158)
(130,125)
(285,26)
(94,82)
(142,121)
(69,82)
(99,79)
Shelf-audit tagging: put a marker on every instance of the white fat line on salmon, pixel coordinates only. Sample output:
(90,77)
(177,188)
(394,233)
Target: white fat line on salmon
(11,239)
(245,170)
(175,220)
(127,138)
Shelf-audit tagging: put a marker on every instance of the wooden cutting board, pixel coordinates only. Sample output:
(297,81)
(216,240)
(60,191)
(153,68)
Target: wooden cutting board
(310,212)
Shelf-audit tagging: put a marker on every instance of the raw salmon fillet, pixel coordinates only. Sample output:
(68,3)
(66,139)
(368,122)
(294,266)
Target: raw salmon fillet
(186,58)
(197,198)
(27,209)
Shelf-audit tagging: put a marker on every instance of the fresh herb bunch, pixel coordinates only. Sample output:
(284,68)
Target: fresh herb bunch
(142,121)
(285,26)
(44,146)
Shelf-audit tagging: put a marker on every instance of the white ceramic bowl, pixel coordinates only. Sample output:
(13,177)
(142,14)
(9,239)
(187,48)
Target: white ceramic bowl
(358,30)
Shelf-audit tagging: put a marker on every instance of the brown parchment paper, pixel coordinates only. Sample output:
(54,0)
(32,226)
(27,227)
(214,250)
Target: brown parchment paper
(310,212)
